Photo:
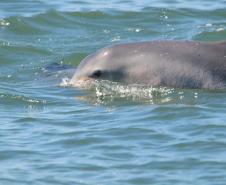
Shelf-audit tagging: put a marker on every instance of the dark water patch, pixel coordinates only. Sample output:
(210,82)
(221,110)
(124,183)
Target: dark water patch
(13,181)
(25,120)
(14,154)
(174,165)
(172,112)
(200,146)
(57,67)
(78,142)
(89,15)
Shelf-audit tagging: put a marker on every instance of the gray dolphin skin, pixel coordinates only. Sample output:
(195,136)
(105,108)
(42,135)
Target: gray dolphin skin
(178,64)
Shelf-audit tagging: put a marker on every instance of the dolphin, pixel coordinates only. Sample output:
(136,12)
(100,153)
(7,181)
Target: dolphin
(165,63)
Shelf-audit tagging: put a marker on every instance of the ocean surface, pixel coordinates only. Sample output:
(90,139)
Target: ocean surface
(54,134)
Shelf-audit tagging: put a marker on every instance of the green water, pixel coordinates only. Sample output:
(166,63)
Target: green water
(112,134)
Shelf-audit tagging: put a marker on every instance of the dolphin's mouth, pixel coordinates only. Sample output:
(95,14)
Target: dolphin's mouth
(83,83)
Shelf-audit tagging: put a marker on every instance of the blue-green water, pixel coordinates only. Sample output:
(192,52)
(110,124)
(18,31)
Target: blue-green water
(112,134)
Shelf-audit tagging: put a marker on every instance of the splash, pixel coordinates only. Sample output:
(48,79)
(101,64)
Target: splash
(133,91)
(4,23)
(104,92)
(65,82)
(107,92)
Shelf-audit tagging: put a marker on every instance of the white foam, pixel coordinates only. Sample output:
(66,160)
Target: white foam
(4,23)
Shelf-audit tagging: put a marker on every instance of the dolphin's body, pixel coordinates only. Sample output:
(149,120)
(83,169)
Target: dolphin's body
(179,64)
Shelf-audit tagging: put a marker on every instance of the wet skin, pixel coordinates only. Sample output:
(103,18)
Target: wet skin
(179,64)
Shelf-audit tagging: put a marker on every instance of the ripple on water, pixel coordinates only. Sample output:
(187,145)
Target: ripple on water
(20,99)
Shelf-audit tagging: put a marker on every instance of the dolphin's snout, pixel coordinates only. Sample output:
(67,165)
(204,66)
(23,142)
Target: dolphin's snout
(81,82)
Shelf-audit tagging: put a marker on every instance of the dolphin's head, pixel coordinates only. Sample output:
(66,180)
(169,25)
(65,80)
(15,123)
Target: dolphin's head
(127,63)
(98,66)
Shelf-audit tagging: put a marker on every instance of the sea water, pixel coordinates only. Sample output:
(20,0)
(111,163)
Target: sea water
(114,134)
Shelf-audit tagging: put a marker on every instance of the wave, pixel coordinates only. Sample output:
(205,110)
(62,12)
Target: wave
(29,8)
(152,23)
(10,98)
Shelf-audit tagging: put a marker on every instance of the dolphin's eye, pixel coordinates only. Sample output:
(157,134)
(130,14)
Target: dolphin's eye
(96,74)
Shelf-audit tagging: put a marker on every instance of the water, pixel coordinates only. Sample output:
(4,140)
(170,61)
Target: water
(111,134)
